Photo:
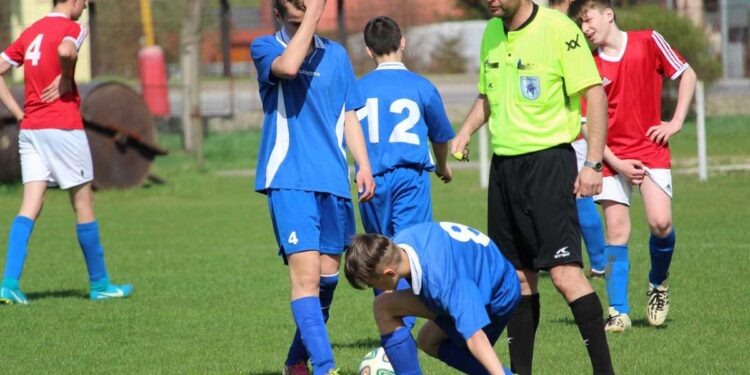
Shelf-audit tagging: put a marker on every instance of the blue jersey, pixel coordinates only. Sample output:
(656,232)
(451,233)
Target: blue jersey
(403,111)
(459,272)
(302,146)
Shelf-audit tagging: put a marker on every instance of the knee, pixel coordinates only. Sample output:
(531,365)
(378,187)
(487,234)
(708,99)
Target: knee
(307,284)
(569,280)
(660,226)
(382,309)
(427,343)
(618,232)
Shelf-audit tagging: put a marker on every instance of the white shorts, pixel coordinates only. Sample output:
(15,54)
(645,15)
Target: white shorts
(60,157)
(581,148)
(616,188)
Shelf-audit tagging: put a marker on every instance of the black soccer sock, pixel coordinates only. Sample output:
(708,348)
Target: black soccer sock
(521,331)
(587,312)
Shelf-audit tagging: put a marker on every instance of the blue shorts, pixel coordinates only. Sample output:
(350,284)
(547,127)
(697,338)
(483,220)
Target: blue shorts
(308,220)
(402,199)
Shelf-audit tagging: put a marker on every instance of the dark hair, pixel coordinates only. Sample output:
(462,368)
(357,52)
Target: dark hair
(366,252)
(555,2)
(382,35)
(279,5)
(578,8)
(55,2)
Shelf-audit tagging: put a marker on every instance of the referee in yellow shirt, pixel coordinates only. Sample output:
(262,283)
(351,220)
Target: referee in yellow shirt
(535,68)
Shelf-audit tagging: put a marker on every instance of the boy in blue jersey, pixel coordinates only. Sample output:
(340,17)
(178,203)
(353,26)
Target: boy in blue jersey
(309,96)
(404,112)
(460,282)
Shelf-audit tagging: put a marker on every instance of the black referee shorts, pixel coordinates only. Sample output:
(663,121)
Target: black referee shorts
(531,210)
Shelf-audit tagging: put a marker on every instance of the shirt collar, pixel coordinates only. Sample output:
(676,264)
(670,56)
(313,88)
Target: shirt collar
(391,65)
(283,37)
(416,268)
(57,14)
(534,10)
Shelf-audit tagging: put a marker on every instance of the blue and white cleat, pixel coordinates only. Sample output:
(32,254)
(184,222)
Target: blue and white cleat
(104,290)
(13,296)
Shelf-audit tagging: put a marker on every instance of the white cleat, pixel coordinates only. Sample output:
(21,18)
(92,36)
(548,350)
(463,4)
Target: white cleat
(658,304)
(617,322)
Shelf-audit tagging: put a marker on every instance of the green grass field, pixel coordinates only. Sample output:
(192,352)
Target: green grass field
(212,297)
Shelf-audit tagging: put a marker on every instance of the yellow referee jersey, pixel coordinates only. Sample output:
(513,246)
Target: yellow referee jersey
(533,79)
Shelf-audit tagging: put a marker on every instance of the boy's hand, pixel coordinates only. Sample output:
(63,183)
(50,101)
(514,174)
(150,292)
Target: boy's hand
(315,7)
(632,169)
(56,89)
(660,134)
(365,185)
(444,173)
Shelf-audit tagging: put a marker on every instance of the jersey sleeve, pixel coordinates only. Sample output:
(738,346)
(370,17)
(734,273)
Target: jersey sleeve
(77,34)
(669,61)
(439,128)
(577,63)
(13,55)
(354,99)
(483,52)
(264,52)
(464,304)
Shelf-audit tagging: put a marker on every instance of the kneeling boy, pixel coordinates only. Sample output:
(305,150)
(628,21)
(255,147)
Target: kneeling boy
(460,282)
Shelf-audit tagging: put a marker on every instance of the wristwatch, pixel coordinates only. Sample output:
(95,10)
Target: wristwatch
(597,166)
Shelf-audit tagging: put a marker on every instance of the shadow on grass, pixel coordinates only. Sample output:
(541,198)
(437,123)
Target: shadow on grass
(366,344)
(70,293)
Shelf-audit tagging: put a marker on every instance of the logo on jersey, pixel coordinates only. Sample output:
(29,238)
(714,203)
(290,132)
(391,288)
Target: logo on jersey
(573,43)
(531,87)
(606,81)
(562,253)
(308,73)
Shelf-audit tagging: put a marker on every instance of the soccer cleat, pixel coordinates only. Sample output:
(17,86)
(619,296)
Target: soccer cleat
(299,368)
(13,296)
(658,304)
(595,274)
(104,290)
(617,322)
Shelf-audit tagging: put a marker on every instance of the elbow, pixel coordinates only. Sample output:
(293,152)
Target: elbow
(67,51)
(286,72)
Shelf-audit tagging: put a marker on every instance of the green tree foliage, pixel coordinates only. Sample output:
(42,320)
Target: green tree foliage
(691,41)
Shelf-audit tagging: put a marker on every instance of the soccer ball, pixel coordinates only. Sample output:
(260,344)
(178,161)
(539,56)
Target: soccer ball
(376,363)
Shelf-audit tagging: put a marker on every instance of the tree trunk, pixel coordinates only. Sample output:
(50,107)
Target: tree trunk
(190,65)
(341,22)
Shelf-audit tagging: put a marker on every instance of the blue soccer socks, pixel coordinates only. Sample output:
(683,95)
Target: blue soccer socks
(18,240)
(297,352)
(93,253)
(661,257)
(401,349)
(592,231)
(328,285)
(618,268)
(309,319)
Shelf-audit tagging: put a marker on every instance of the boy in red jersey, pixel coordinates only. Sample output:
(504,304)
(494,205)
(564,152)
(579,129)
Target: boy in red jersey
(632,65)
(53,145)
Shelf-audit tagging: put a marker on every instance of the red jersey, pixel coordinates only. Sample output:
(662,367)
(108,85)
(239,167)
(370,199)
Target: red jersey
(633,83)
(36,50)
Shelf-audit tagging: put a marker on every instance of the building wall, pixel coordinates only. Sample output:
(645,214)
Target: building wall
(358,12)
